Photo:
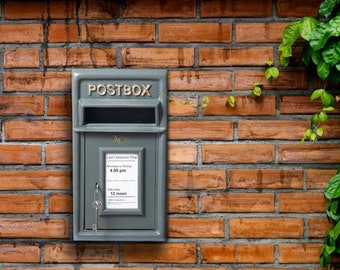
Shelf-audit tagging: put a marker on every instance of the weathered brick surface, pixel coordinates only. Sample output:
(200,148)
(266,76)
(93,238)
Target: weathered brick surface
(199,32)
(235,56)
(83,57)
(242,192)
(35,180)
(118,32)
(19,253)
(245,105)
(157,57)
(159,253)
(266,227)
(200,130)
(238,203)
(21,58)
(81,253)
(238,253)
(34,228)
(199,80)
(196,228)
(63,32)
(196,179)
(263,179)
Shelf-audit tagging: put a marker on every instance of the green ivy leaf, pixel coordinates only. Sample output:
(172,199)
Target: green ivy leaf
(319,131)
(327,109)
(205,102)
(332,190)
(326,7)
(312,137)
(323,70)
(323,32)
(331,53)
(315,118)
(230,101)
(307,26)
(271,73)
(317,93)
(291,33)
(323,117)
(327,99)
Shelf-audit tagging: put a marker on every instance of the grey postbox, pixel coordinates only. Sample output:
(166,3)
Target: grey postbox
(119,154)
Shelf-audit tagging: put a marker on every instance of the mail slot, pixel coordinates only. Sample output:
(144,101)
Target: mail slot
(119,119)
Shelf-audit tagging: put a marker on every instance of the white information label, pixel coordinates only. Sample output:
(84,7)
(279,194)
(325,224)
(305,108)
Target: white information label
(121,180)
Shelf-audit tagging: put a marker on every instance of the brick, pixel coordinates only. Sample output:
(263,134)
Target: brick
(157,57)
(331,129)
(19,253)
(291,8)
(299,253)
(182,204)
(318,227)
(21,33)
(318,178)
(199,80)
(80,57)
(21,58)
(35,180)
(119,32)
(159,253)
(37,81)
(21,106)
(20,154)
(272,129)
(195,32)
(288,80)
(38,130)
(59,106)
(238,203)
(266,228)
(60,203)
(237,253)
(302,203)
(21,203)
(34,228)
(54,9)
(183,106)
(237,153)
(236,8)
(196,268)
(266,179)
(244,105)
(42,268)
(99,9)
(196,179)
(81,253)
(234,56)
(259,32)
(62,32)
(303,105)
(309,153)
(114,268)
(182,153)
(156,9)
(196,228)
(59,154)
(200,130)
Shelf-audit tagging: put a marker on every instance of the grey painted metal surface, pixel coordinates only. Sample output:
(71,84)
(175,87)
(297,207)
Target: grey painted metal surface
(119,154)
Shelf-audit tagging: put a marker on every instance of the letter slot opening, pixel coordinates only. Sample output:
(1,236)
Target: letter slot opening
(93,115)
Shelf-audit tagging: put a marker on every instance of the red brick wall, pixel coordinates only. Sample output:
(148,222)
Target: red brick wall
(243,192)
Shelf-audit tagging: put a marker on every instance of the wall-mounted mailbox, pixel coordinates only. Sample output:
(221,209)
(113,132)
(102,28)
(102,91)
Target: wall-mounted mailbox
(119,154)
